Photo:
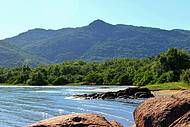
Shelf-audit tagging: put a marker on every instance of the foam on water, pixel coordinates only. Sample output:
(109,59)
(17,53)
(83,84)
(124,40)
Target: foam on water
(73,98)
(47,91)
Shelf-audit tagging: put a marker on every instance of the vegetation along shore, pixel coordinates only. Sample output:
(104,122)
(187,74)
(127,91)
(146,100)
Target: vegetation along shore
(169,70)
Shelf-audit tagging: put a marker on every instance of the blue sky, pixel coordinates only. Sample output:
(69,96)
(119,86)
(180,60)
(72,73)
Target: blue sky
(21,15)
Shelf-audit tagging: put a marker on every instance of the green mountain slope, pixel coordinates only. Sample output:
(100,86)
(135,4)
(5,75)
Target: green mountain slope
(12,57)
(98,41)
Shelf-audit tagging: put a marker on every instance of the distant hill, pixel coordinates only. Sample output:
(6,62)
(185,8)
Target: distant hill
(11,56)
(97,41)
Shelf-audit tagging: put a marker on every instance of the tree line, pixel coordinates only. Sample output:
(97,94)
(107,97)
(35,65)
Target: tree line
(170,66)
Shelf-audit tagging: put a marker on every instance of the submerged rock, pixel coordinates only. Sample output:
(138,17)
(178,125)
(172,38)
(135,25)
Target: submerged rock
(170,111)
(131,93)
(76,120)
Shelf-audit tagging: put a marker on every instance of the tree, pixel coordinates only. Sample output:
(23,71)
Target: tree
(3,78)
(125,79)
(94,78)
(23,75)
(142,78)
(175,60)
(185,76)
(22,78)
(60,81)
(37,78)
(167,77)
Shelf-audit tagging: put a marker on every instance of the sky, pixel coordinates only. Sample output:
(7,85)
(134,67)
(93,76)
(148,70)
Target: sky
(18,16)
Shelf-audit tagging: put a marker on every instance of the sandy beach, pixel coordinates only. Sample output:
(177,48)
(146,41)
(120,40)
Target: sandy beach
(166,92)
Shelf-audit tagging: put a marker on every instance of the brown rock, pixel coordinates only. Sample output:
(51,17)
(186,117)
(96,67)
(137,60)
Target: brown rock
(115,124)
(76,120)
(170,111)
(183,121)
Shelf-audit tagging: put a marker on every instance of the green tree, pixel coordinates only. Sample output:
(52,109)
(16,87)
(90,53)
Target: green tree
(143,78)
(94,78)
(60,81)
(167,77)
(175,59)
(185,76)
(37,78)
(3,78)
(125,79)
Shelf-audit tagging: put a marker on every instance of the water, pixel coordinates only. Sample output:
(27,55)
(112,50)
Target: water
(20,106)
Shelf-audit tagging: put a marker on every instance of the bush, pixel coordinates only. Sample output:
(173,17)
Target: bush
(125,80)
(2,78)
(22,78)
(96,78)
(37,82)
(37,79)
(185,76)
(174,59)
(167,77)
(60,81)
(143,78)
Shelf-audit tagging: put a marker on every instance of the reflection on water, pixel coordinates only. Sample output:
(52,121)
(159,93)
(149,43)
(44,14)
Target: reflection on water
(24,105)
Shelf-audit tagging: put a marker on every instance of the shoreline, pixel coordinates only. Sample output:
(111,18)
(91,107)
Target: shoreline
(92,89)
(100,89)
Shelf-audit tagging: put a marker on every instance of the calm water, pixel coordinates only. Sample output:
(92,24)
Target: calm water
(22,106)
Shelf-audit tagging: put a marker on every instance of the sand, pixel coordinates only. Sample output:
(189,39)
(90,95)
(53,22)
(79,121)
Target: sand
(166,92)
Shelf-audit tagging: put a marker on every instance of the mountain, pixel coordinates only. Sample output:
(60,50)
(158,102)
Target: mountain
(97,41)
(12,57)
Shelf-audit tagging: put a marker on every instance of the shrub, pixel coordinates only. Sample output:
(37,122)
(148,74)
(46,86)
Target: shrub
(167,77)
(39,82)
(60,81)
(96,78)
(125,80)
(185,76)
(143,78)
(37,79)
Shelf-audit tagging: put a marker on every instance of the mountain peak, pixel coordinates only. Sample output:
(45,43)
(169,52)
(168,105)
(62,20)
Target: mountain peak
(98,22)
(101,26)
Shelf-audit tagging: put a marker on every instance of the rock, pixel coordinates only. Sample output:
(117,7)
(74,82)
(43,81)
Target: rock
(131,93)
(183,121)
(142,95)
(115,124)
(76,120)
(107,95)
(165,111)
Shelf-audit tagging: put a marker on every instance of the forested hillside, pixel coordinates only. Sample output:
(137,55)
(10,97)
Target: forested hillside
(96,41)
(11,56)
(170,66)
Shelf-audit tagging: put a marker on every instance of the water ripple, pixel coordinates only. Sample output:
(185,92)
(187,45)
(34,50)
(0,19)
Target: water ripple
(20,106)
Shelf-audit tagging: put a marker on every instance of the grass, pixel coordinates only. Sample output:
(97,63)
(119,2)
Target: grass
(168,86)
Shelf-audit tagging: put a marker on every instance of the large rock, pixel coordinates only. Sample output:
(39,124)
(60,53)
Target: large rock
(76,120)
(165,111)
(131,93)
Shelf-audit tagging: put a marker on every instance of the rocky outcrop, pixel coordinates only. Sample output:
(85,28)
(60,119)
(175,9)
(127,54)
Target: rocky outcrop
(165,111)
(76,120)
(131,93)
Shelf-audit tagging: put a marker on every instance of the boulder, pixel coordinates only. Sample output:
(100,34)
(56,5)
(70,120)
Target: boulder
(76,120)
(183,121)
(164,111)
